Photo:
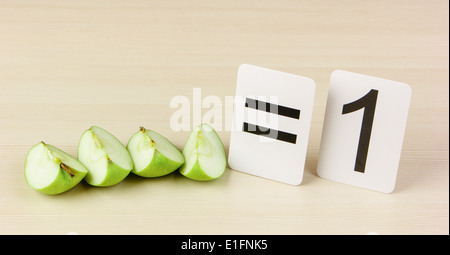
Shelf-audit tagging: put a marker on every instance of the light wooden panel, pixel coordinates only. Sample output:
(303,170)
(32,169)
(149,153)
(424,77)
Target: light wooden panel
(67,65)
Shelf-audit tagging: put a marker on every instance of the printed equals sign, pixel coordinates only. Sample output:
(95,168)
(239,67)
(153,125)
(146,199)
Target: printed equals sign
(271,108)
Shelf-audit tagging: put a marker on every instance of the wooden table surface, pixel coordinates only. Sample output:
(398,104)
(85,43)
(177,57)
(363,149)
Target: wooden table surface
(67,65)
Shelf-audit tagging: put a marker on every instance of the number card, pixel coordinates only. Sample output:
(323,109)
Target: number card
(363,130)
(271,123)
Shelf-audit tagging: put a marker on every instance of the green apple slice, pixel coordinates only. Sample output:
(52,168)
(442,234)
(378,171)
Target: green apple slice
(107,160)
(204,154)
(51,170)
(153,155)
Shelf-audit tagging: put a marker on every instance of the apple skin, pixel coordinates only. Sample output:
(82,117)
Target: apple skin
(159,166)
(114,173)
(63,181)
(197,172)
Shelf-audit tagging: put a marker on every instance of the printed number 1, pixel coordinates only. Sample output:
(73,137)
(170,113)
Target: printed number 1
(368,102)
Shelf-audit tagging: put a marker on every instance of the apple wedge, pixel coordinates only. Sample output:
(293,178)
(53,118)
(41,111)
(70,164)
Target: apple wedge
(107,160)
(51,170)
(153,155)
(204,155)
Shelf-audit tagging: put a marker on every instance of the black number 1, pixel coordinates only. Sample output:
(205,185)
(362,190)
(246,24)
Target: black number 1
(368,102)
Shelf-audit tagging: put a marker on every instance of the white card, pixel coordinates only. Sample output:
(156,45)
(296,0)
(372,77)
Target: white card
(271,123)
(363,130)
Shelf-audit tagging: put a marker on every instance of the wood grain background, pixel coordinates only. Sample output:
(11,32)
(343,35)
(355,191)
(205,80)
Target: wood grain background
(66,65)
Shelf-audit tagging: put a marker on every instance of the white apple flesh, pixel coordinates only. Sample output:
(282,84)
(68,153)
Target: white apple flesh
(106,158)
(51,170)
(204,154)
(153,155)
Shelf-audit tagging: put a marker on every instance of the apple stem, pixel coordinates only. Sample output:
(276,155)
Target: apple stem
(67,169)
(142,129)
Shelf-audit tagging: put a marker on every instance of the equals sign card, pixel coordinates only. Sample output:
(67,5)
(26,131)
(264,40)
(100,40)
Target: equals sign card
(271,124)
